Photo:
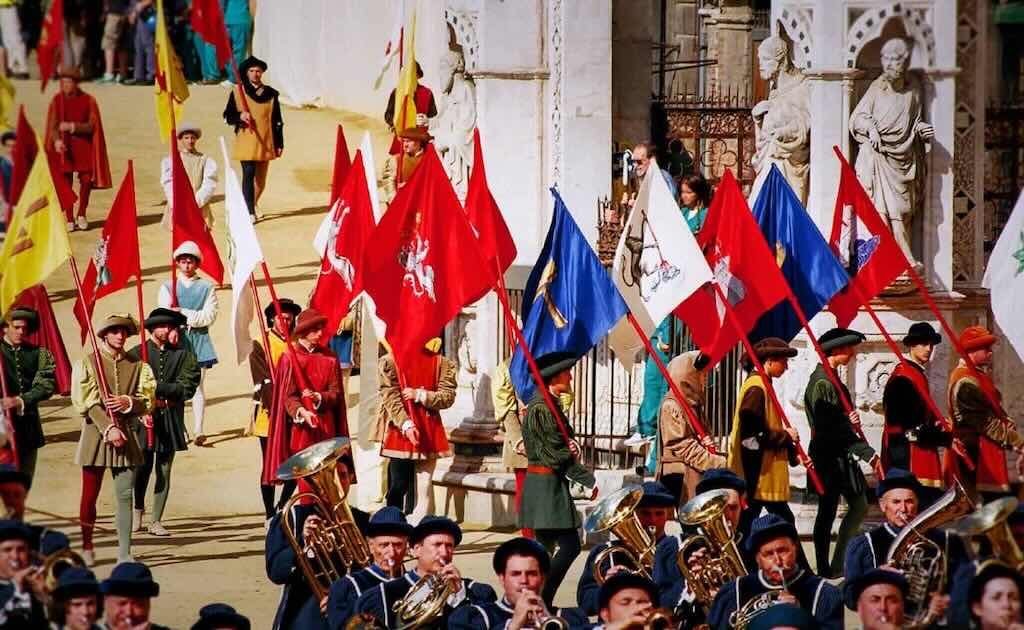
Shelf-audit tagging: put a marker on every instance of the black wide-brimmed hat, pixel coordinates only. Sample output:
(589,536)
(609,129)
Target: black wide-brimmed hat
(839,337)
(219,616)
(521,546)
(770,527)
(251,62)
(76,582)
(164,317)
(898,478)
(11,529)
(554,363)
(435,525)
(130,579)
(388,521)
(922,332)
(720,479)
(287,306)
(624,580)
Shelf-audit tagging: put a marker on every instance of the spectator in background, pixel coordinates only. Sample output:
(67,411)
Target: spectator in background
(238,16)
(13,43)
(6,167)
(75,26)
(694,199)
(115,40)
(142,17)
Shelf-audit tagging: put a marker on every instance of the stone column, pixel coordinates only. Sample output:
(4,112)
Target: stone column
(730,42)
(633,23)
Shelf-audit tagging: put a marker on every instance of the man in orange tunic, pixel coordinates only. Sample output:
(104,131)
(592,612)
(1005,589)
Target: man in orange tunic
(74,136)
(293,427)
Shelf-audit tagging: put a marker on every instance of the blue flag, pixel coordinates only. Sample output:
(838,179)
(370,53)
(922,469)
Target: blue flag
(569,303)
(808,264)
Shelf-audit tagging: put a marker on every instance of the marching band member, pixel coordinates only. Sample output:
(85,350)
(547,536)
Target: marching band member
(674,593)
(548,508)
(994,598)
(127,597)
(960,610)
(521,565)
(784,617)
(220,617)
(913,434)
(981,429)
(298,607)
(433,542)
(879,595)
(774,542)
(21,585)
(625,601)
(899,499)
(760,447)
(835,448)
(76,600)
(656,508)
(388,536)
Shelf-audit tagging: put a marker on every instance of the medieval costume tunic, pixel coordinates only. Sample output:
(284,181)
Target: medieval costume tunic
(984,431)
(298,608)
(346,591)
(47,335)
(202,175)
(380,602)
(497,615)
(262,383)
(85,147)
(435,376)
(260,141)
(813,594)
(197,299)
(682,459)
(29,373)
(913,434)
(760,451)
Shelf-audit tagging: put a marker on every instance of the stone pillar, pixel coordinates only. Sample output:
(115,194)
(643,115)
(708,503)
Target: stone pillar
(633,32)
(730,42)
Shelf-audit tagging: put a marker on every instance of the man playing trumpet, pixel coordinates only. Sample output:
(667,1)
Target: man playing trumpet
(779,577)
(21,585)
(433,545)
(521,565)
(626,600)
(388,535)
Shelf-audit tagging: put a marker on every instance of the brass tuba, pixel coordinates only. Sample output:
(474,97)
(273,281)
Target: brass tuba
(990,521)
(723,563)
(337,546)
(922,561)
(53,565)
(617,512)
(424,602)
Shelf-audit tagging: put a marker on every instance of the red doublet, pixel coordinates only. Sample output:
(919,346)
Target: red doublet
(324,377)
(924,461)
(991,474)
(85,152)
(422,372)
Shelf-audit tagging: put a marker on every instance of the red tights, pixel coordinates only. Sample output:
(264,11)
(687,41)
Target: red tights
(520,478)
(84,189)
(92,481)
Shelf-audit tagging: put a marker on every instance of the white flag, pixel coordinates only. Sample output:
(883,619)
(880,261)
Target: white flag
(324,231)
(657,264)
(248,255)
(393,46)
(1004,278)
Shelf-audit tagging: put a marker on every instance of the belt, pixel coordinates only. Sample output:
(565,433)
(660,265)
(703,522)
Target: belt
(540,470)
(162,404)
(891,430)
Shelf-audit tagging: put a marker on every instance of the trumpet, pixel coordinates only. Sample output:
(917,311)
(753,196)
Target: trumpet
(425,600)
(659,619)
(546,621)
(617,513)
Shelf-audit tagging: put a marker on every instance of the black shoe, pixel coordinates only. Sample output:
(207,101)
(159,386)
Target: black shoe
(128,81)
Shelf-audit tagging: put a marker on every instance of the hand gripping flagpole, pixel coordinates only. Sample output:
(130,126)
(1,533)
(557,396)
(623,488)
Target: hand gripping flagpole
(263,325)
(801,453)
(691,415)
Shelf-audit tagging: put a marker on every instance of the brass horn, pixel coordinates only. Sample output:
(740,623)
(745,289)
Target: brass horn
(337,546)
(922,561)
(990,521)
(424,602)
(705,514)
(51,566)
(617,513)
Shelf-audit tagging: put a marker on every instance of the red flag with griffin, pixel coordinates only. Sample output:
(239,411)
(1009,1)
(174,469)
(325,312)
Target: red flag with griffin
(744,267)
(864,245)
(51,42)
(340,280)
(496,244)
(116,259)
(208,23)
(342,165)
(187,220)
(417,274)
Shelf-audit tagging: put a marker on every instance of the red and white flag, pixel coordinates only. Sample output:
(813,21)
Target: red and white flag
(187,220)
(116,258)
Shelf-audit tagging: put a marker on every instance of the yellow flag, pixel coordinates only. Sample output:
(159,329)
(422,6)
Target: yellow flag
(6,103)
(405,93)
(37,240)
(170,80)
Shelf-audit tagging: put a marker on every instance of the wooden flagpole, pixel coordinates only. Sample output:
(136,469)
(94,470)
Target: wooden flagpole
(101,377)
(263,325)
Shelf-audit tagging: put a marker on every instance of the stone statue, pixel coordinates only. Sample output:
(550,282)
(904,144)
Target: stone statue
(453,126)
(783,122)
(888,125)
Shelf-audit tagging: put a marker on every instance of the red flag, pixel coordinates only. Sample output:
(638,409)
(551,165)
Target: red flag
(864,245)
(26,147)
(187,220)
(744,267)
(48,335)
(416,272)
(496,244)
(340,279)
(208,23)
(116,258)
(342,165)
(51,42)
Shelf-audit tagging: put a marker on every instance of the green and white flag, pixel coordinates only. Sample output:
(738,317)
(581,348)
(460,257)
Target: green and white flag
(1004,278)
